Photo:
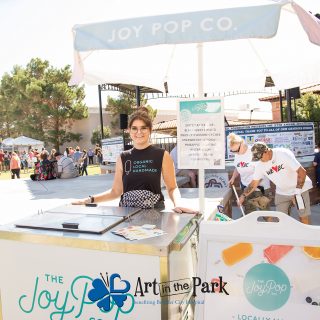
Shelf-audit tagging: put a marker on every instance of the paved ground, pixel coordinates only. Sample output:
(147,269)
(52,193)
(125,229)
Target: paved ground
(22,198)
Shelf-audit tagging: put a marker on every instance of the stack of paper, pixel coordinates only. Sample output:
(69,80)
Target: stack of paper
(139,232)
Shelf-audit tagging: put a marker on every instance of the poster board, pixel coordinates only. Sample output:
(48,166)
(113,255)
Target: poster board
(200,133)
(111,148)
(261,269)
(296,136)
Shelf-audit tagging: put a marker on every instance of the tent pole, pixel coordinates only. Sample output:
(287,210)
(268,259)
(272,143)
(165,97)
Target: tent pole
(138,96)
(200,95)
(100,109)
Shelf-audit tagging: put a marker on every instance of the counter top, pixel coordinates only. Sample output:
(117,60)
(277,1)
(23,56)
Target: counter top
(171,223)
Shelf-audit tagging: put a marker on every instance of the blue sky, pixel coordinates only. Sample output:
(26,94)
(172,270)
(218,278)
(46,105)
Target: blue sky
(43,28)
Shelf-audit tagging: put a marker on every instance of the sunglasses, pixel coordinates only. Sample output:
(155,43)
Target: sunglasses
(143,129)
(236,151)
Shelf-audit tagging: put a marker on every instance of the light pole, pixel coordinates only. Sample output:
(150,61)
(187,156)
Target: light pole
(251,111)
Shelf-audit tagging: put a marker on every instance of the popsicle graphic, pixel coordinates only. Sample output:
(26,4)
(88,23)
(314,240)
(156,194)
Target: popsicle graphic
(275,252)
(236,253)
(312,252)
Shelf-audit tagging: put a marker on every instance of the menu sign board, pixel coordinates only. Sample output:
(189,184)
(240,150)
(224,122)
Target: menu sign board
(201,134)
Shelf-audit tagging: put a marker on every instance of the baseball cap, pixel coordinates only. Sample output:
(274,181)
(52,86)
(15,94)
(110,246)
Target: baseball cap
(258,149)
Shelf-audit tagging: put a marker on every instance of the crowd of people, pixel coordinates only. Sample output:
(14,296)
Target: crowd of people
(45,165)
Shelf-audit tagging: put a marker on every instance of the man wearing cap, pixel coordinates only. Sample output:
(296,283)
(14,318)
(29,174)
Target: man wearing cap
(282,168)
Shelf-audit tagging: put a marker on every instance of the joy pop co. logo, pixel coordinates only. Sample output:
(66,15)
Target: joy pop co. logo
(267,287)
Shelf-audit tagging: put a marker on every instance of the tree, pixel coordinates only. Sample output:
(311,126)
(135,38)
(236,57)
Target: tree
(308,107)
(96,134)
(125,104)
(43,105)
(7,119)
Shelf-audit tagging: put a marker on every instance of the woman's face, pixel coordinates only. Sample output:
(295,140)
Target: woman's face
(236,147)
(139,133)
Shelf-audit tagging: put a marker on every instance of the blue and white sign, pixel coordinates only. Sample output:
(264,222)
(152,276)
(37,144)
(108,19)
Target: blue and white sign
(111,148)
(296,136)
(192,27)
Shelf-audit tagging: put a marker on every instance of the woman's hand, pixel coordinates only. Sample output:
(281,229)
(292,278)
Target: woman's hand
(242,198)
(81,201)
(185,210)
(231,181)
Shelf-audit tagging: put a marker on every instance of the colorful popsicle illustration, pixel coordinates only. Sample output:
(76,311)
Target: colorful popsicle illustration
(275,252)
(236,253)
(312,252)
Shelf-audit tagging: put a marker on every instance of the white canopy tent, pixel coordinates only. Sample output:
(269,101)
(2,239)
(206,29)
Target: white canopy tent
(22,143)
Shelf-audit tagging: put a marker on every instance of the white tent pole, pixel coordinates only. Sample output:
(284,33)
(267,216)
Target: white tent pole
(200,95)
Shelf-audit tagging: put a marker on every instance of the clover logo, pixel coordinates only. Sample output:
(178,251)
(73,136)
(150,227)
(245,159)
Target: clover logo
(108,295)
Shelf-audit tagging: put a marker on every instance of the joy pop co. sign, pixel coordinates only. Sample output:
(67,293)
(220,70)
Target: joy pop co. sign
(202,26)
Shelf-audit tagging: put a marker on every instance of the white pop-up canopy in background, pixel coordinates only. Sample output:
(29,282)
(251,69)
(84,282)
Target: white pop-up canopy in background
(22,143)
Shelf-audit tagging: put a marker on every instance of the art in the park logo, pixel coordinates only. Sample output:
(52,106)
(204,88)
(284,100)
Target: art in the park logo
(107,296)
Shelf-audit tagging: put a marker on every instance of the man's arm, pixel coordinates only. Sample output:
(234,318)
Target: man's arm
(248,190)
(301,177)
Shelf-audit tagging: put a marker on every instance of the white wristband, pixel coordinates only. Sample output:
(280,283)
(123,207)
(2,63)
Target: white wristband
(298,191)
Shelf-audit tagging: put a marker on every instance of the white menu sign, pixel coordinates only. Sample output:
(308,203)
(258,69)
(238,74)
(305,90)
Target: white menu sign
(201,134)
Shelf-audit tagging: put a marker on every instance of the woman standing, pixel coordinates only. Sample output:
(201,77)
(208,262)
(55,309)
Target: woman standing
(244,167)
(84,162)
(15,166)
(138,171)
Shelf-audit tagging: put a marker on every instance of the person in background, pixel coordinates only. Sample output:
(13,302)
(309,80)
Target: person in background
(1,160)
(283,169)
(15,165)
(51,156)
(90,156)
(24,160)
(98,154)
(244,168)
(77,158)
(66,167)
(137,178)
(6,161)
(67,152)
(190,173)
(316,164)
(45,168)
(84,162)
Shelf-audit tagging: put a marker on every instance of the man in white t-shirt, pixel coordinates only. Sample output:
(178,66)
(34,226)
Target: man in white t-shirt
(283,169)
(244,167)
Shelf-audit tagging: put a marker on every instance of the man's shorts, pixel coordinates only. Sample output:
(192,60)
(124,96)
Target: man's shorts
(283,203)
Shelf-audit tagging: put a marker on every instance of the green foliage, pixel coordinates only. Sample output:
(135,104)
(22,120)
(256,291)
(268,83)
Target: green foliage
(96,135)
(125,104)
(308,107)
(37,102)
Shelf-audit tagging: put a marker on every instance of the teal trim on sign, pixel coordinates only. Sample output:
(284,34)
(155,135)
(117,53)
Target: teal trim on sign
(201,106)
